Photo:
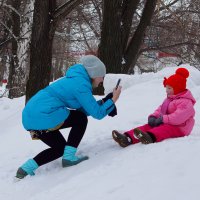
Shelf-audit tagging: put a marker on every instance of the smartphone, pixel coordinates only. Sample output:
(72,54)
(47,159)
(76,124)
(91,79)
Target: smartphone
(118,82)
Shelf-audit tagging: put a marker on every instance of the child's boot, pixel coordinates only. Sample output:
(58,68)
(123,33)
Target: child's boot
(27,168)
(143,137)
(69,158)
(121,139)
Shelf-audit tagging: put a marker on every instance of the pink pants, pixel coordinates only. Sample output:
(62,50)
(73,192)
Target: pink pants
(162,132)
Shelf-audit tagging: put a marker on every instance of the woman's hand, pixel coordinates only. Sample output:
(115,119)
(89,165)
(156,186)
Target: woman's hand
(116,93)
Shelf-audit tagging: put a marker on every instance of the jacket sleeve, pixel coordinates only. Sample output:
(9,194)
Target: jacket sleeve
(84,111)
(90,105)
(182,113)
(156,113)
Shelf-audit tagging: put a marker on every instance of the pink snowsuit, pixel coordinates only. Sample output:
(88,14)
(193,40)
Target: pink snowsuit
(178,118)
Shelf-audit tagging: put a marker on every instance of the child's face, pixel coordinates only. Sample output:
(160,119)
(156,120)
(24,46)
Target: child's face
(169,90)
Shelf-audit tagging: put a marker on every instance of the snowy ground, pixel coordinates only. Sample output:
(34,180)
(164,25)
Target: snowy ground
(166,170)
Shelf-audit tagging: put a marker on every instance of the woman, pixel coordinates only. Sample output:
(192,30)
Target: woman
(65,103)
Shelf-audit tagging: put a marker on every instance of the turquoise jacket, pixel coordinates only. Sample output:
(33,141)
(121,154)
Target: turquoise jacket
(51,105)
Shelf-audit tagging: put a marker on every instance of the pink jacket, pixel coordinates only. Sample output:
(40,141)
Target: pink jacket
(178,110)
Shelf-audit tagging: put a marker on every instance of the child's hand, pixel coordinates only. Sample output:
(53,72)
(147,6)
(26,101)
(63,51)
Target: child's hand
(151,121)
(158,121)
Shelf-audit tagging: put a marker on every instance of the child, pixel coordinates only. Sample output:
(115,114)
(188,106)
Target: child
(174,118)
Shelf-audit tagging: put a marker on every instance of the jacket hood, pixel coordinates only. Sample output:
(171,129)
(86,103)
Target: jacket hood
(186,95)
(77,70)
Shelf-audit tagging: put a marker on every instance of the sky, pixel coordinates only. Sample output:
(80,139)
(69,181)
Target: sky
(165,170)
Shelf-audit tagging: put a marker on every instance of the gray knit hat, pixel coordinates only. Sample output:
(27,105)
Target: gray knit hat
(94,66)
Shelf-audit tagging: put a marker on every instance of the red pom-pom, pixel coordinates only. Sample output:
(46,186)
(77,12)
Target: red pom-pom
(165,81)
(183,72)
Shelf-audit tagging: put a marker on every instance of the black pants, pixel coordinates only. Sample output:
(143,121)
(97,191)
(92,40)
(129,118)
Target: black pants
(55,140)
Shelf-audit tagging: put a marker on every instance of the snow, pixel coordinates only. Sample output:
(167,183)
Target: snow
(165,170)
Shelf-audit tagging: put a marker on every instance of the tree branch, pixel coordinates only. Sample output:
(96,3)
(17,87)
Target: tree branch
(85,39)
(4,42)
(97,7)
(12,8)
(165,6)
(65,9)
(10,31)
(169,46)
(89,23)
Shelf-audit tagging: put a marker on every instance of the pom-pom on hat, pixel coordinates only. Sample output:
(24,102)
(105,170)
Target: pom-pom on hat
(178,80)
(94,66)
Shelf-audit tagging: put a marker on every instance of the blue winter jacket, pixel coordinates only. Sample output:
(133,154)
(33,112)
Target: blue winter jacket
(51,105)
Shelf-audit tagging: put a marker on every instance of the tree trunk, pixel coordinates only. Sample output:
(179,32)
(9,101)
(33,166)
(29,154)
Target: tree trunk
(45,19)
(59,55)
(133,49)
(23,52)
(1,72)
(129,8)
(2,68)
(43,30)
(16,77)
(116,25)
(110,48)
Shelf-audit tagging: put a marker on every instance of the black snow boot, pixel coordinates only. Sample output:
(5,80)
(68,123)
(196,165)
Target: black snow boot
(143,137)
(121,139)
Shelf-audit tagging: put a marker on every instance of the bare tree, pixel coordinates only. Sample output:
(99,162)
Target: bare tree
(124,31)
(61,45)
(118,48)
(16,74)
(132,51)
(174,29)
(17,18)
(45,19)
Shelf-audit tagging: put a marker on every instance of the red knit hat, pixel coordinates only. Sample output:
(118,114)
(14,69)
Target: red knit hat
(178,80)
